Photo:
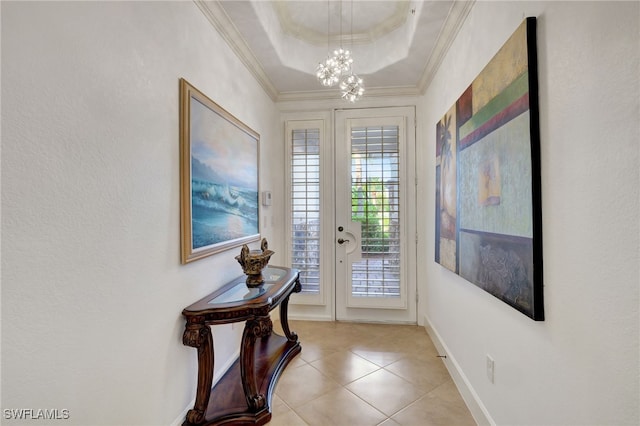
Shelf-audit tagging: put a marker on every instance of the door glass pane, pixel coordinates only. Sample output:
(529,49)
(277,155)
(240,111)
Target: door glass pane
(375,203)
(305,207)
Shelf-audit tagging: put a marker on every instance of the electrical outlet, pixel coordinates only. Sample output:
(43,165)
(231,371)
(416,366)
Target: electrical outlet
(490,368)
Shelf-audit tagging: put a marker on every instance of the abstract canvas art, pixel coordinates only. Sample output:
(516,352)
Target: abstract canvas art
(488,195)
(219,177)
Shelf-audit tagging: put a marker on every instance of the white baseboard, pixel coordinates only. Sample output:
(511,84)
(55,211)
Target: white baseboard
(216,377)
(470,397)
(297,317)
(181,418)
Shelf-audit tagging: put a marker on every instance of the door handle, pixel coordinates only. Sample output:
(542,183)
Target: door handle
(342,241)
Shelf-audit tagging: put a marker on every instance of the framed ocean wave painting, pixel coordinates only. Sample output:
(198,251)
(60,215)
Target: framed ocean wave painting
(219,157)
(488,186)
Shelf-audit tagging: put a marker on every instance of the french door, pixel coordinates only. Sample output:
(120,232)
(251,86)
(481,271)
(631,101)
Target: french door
(352,215)
(374,225)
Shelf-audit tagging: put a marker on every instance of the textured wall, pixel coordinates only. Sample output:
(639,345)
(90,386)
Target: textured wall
(92,286)
(580,366)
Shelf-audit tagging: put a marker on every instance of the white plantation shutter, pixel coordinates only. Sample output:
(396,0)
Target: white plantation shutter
(375,203)
(305,207)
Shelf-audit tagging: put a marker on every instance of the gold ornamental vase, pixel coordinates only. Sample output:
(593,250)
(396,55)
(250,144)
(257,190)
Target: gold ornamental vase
(253,262)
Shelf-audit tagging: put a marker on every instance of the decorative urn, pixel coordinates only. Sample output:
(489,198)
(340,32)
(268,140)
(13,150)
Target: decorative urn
(253,262)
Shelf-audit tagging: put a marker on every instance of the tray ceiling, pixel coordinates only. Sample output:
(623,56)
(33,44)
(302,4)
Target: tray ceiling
(396,45)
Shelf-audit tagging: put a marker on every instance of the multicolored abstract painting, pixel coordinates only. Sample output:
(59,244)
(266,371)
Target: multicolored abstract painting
(488,201)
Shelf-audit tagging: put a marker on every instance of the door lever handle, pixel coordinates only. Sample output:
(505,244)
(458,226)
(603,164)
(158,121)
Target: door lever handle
(342,241)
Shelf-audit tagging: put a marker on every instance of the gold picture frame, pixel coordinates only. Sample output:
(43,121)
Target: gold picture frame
(219,178)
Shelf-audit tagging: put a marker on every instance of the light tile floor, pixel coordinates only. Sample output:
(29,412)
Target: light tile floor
(351,374)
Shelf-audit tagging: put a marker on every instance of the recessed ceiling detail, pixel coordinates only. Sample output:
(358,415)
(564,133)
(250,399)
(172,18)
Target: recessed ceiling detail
(369,20)
(394,43)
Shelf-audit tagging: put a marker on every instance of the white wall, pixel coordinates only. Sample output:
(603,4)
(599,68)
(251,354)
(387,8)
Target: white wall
(579,366)
(92,286)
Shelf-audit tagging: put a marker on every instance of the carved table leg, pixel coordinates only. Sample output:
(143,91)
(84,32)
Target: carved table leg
(284,312)
(253,329)
(198,335)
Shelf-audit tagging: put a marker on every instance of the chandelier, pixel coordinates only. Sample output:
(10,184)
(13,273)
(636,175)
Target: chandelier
(338,68)
(351,88)
(327,72)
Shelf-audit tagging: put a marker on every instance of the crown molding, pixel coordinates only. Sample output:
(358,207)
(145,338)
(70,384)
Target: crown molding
(216,15)
(327,94)
(455,19)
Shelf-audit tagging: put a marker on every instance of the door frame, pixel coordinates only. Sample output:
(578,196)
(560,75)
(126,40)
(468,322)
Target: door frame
(405,310)
(324,308)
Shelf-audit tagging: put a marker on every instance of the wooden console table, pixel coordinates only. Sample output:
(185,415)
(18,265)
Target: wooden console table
(243,395)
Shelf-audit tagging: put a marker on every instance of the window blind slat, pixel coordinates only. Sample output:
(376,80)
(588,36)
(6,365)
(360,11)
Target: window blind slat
(305,207)
(376,205)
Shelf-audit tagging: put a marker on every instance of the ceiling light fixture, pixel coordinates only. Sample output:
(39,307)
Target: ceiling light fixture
(342,57)
(351,86)
(338,68)
(326,70)
(343,60)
